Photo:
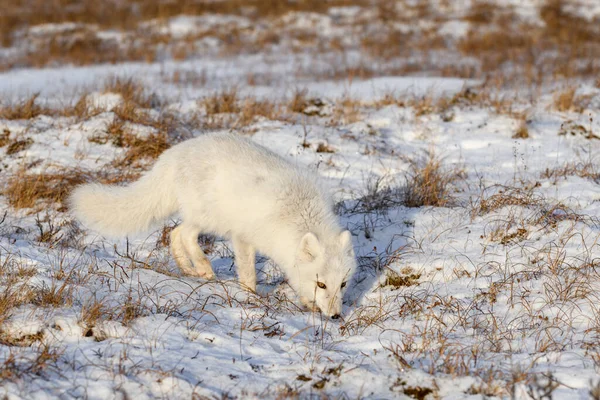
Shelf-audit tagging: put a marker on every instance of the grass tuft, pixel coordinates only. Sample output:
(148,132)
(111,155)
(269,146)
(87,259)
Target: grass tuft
(26,190)
(430,183)
(25,109)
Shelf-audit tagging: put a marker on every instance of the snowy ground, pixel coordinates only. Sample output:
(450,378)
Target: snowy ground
(493,292)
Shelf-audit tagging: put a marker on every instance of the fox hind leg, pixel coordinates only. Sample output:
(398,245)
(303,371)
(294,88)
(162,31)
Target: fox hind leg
(245,263)
(187,252)
(189,237)
(179,253)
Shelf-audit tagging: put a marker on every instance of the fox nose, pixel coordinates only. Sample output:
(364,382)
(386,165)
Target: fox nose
(336,316)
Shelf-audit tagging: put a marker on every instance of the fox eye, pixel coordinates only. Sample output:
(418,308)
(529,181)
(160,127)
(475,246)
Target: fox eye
(343,285)
(321,285)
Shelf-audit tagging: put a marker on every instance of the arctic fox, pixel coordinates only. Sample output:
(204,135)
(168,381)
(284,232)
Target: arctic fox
(230,186)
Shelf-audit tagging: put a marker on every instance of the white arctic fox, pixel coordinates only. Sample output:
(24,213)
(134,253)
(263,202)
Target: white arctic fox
(228,185)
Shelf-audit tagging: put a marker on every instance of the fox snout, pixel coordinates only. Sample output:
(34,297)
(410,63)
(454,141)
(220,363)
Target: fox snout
(335,309)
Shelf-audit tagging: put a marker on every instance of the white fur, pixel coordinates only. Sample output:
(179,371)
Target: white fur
(229,186)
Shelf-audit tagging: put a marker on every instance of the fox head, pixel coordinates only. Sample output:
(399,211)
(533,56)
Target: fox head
(323,269)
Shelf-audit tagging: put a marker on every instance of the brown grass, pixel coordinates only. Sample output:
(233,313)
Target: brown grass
(4,137)
(395,280)
(503,44)
(26,190)
(133,93)
(16,365)
(58,294)
(11,297)
(253,108)
(225,101)
(91,313)
(430,183)
(503,196)
(18,145)
(141,149)
(522,131)
(225,109)
(15,292)
(346,111)
(324,148)
(564,46)
(188,78)
(565,99)
(25,109)
(481,97)
(299,101)
(29,108)
(125,15)
(134,110)
(583,169)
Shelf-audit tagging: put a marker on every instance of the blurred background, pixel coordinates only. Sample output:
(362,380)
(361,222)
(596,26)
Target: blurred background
(507,43)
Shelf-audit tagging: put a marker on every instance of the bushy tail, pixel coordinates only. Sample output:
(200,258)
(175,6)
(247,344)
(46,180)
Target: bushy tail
(118,211)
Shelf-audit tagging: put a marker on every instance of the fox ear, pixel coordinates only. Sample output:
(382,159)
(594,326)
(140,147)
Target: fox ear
(310,248)
(346,242)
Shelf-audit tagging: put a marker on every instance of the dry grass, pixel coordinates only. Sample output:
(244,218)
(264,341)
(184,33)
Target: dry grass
(18,365)
(188,78)
(25,109)
(14,290)
(483,96)
(4,137)
(226,109)
(140,148)
(253,108)
(567,100)
(564,100)
(395,280)
(522,131)
(346,111)
(430,183)
(584,169)
(133,93)
(324,148)
(26,190)
(134,112)
(503,44)
(91,313)
(58,294)
(496,197)
(125,15)
(565,45)
(225,101)
(13,296)
(143,149)
(299,101)
(18,145)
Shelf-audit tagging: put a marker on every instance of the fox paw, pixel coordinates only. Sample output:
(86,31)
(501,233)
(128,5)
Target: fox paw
(202,274)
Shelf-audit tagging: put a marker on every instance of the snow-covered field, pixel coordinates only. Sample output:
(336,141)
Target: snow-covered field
(474,209)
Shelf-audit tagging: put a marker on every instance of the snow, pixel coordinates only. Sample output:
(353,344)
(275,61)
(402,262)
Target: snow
(499,292)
